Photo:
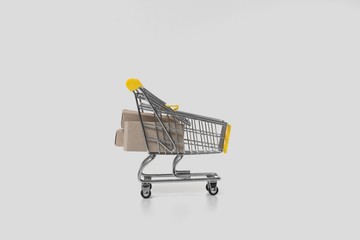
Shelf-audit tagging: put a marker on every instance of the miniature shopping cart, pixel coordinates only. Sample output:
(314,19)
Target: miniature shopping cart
(168,131)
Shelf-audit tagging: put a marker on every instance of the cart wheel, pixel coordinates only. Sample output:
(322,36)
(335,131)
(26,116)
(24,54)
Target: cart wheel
(213,191)
(207,187)
(145,195)
(150,185)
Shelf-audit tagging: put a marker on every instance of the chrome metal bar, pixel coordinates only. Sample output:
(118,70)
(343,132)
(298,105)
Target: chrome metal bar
(176,176)
(208,174)
(143,165)
(179,173)
(171,178)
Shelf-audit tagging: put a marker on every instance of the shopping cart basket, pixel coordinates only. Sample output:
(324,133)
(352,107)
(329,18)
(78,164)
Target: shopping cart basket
(173,132)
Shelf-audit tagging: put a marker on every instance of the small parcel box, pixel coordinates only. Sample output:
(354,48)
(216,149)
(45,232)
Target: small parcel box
(131,135)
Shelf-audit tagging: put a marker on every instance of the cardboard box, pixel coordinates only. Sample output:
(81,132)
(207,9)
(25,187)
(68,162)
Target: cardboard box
(131,135)
(131,115)
(134,139)
(119,137)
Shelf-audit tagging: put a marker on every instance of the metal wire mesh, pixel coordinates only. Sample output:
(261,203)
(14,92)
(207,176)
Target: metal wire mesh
(177,132)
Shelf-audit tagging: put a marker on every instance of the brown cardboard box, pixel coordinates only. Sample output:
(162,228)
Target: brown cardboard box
(131,115)
(131,135)
(134,139)
(119,137)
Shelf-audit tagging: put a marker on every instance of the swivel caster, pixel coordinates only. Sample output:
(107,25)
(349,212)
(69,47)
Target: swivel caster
(146,190)
(212,188)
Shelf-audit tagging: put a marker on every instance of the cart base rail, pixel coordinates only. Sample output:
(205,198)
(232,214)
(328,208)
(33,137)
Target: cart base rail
(176,176)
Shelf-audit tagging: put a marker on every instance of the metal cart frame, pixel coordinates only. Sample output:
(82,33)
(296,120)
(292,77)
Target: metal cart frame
(177,133)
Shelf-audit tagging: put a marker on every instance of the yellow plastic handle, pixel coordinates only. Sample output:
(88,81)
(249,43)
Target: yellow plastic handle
(227,138)
(174,107)
(132,84)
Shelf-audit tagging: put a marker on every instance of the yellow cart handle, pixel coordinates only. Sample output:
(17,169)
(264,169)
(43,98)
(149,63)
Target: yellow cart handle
(133,84)
(227,138)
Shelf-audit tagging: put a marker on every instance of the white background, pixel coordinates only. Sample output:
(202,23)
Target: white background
(285,74)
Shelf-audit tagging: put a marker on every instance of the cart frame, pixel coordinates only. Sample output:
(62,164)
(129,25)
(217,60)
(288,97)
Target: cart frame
(204,135)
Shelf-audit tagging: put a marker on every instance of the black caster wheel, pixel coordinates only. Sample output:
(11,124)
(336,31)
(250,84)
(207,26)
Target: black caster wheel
(213,191)
(207,187)
(150,185)
(145,195)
